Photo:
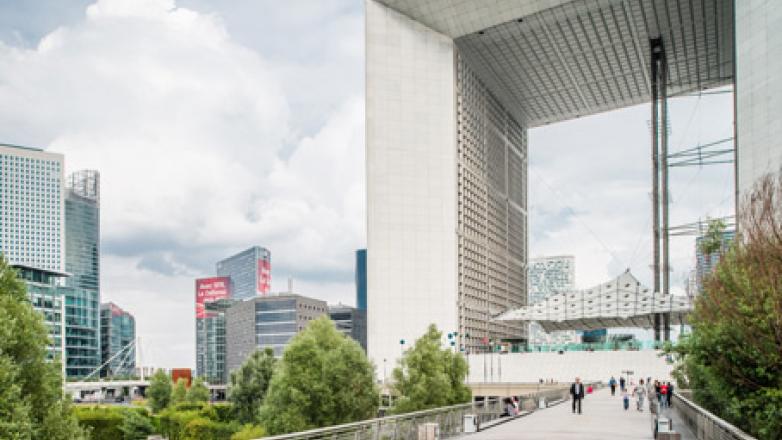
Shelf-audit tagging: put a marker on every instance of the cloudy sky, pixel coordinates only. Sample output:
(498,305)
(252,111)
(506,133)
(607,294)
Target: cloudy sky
(220,125)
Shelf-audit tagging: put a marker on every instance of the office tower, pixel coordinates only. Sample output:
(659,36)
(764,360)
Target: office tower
(705,263)
(451,91)
(266,321)
(210,328)
(351,321)
(117,333)
(548,276)
(250,272)
(32,230)
(82,263)
(361,279)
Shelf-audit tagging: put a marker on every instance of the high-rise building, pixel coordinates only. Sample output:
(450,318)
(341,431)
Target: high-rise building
(82,263)
(361,279)
(351,321)
(117,333)
(210,328)
(705,263)
(446,191)
(548,276)
(250,272)
(32,230)
(266,321)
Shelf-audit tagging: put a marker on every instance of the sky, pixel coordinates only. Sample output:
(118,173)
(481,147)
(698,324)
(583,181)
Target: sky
(221,125)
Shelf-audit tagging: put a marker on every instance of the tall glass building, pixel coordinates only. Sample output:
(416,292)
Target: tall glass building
(117,330)
(361,279)
(32,229)
(82,262)
(250,272)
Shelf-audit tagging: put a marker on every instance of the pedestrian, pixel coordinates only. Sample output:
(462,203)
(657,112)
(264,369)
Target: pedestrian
(670,393)
(612,384)
(625,399)
(577,393)
(622,383)
(657,392)
(640,394)
(663,395)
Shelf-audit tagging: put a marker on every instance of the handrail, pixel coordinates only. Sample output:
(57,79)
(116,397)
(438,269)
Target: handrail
(700,412)
(452,416)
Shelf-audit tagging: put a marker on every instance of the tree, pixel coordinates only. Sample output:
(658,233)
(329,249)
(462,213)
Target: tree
(249,384)
(32,404)
(713,238)
(179,393)
(323,379)
(430,376)
(733,358)
(136,426)
(198,392)
(159,392)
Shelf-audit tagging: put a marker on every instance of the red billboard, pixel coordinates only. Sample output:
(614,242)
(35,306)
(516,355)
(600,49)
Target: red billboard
(208,290)
(264,276)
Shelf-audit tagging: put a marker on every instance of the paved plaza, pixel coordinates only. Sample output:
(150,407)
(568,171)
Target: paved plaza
(603,418)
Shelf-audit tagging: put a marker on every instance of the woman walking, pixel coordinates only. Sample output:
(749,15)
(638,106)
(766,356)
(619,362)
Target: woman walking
(640,394)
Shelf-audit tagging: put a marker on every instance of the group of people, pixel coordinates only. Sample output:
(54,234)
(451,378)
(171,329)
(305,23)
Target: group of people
(663,392)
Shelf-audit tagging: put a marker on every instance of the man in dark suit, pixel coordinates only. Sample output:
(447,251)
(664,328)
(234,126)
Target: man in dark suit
(577,394)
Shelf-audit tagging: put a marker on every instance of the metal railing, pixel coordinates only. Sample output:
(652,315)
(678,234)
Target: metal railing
(450,419)
(705,425)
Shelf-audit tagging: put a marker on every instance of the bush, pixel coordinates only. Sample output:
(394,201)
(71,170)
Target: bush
(733,358)
(249,432)
(105,422)
(159,392)
(173,422)
(136,426)
(201,428)
(224,412)
(198,391)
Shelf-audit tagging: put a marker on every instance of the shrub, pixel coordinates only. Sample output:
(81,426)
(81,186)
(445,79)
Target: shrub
(224,412)
(733,358)
(198,392)
(201,428)
(173,422)
(249,432)
(159,392)
(136,426)
(105,422)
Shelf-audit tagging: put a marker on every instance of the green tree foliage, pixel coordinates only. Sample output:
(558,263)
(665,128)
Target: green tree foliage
(323,379)
(179,393)
(712,240)
(249,432)
(733,358)
(198,392)
(159,392)
(136,426)
(249,384)
(32,404)
(430,375)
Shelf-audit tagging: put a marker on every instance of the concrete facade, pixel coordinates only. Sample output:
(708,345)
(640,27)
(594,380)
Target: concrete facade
(267,321)
(758,90)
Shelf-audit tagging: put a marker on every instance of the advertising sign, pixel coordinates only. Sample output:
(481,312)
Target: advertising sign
(264,276)
(208,290)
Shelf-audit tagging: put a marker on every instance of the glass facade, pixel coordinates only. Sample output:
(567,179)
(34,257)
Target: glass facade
(210,348)
(352,322)
(705,263)
(82,262)
(117,330)
(361,279)
(32,229)
(249,272)
(275,324)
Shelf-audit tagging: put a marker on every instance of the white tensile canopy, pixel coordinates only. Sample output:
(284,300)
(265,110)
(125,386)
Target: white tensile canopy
(621,302)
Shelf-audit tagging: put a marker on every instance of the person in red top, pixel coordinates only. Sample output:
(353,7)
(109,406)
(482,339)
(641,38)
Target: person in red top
(663,395)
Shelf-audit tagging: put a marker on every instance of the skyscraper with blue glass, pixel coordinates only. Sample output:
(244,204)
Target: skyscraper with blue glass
(361,279)
(82,262)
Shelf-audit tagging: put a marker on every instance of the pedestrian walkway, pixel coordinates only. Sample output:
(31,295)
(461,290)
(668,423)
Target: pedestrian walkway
(603,417)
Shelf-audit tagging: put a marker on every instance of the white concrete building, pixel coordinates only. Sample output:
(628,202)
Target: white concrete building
(453,87)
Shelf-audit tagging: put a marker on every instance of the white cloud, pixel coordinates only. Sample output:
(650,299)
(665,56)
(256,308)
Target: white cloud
(188,129)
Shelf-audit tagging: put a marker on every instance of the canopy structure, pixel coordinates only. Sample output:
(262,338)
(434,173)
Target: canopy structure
(621,302)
